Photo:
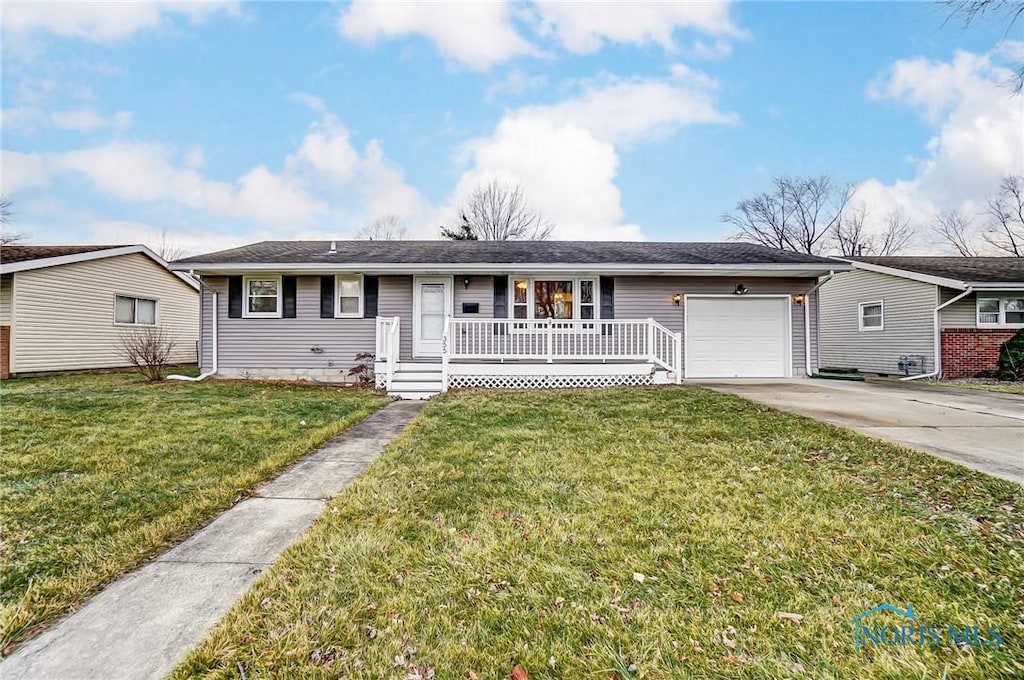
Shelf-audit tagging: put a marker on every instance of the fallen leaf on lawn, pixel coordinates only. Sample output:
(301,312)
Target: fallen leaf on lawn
(472,676)
(638,577)
(790,616)
(726,640)
(519,673)
(737,597)
(552,662)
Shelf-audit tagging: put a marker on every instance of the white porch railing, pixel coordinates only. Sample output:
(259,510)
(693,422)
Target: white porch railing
(552,340)
(388,334)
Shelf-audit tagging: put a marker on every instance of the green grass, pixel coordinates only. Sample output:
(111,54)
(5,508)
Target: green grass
(506,528)
(99,472)
(988,385)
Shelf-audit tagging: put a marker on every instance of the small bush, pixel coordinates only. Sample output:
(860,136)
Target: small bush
(363,370)
(1011,358)
(148,349)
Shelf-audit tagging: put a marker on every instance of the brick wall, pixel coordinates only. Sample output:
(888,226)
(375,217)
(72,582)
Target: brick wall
(5,352)
(969,351)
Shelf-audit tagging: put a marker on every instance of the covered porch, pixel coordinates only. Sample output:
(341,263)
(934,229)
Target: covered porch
(528,353)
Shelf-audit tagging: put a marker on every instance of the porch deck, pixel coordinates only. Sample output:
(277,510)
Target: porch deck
(531,353)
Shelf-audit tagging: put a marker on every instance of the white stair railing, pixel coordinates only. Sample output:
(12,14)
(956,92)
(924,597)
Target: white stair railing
(388,346)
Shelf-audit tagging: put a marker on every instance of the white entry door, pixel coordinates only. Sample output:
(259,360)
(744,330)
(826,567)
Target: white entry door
(431,303)
(737,337)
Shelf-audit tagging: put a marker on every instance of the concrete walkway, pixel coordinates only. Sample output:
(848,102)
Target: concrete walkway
(980,430)
(143,624)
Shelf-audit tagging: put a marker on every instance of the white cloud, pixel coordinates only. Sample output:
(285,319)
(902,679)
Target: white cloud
(104,21)
(482,34)
(584,28)
(142,172)
(565,154)
(86,120)
(478,34)
(311,101)
(516,82)
(978,131)
(630,110)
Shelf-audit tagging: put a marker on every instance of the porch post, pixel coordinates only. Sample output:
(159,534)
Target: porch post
(650,339)
(444,354)
(679,358)
(551,344)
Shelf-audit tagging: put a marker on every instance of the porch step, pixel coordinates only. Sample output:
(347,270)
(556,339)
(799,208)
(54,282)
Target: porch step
(416,381)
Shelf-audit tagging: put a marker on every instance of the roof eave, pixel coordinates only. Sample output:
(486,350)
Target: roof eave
(906,274)
(774,268)
(45,262)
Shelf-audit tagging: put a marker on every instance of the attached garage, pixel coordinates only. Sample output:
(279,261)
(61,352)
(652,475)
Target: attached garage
(733,336)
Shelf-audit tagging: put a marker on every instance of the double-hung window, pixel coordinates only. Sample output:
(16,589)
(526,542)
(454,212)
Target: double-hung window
(134,310)
(263,297)
(870,316)
(1001,311)
(350,295)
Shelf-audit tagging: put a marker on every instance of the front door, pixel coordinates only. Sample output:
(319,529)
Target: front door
(431,303)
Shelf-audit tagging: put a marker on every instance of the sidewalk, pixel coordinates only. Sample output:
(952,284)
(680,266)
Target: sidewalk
(143,624)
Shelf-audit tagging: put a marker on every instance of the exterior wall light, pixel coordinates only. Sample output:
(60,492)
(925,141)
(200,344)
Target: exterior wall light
(677,299)
(465,283)
(798,299)
(741,289)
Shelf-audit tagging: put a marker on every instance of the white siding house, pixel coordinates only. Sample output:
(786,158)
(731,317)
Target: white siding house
(66,307)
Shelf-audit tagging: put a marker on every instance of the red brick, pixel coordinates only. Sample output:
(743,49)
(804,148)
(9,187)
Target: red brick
(5,352)
(969,351)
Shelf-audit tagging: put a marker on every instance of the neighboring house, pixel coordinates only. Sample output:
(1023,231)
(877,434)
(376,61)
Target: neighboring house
(65,308)
(947,315)
(440,314)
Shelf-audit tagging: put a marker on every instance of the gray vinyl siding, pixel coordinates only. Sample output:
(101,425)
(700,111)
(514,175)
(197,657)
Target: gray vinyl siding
(908,314)
(63,316)
(640,297)
(286,343)
(961,314)
(6,281)
(289,343)
(480,290)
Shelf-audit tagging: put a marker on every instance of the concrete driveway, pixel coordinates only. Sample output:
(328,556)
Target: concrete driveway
(980,430)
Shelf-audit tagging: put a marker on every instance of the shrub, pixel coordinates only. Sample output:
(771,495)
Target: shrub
(148,350)
(1011,358)
(363,370)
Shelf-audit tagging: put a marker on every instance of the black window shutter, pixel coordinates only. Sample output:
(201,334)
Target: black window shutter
(288,291)
(371,287)
(607,301)
(500,303)
(326,297)
(234,297)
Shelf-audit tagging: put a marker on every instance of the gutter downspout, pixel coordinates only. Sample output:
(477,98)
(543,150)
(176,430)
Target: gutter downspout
(213,369)
(938,338)
(807,322)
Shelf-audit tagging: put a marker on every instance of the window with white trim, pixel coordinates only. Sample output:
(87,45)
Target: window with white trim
(350,295)
(553,298)
(1001,311)
(870,316)
(134,310)
(263,296)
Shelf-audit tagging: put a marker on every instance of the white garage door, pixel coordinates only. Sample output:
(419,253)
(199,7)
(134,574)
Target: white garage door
(737,337)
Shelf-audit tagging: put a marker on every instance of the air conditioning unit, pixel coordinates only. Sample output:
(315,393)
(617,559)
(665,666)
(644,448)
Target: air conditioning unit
(911,364)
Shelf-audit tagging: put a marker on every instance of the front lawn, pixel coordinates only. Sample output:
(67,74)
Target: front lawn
(99,472)
(988,385)
(648,533)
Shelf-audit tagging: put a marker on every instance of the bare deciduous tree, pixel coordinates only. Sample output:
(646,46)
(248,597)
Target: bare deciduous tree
(852,235)
(797,214)
(148,350)
(956,229)
(384,228)
(168,249)
(463,232)
(497,211)
(8,236)
(969,12)
(1005,231)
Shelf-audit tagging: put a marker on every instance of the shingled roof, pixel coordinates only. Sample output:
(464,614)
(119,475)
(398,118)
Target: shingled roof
(12,254)
(964,269)
(503,253)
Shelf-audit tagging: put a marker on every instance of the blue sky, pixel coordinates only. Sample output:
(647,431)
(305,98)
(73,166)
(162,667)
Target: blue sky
(222,123)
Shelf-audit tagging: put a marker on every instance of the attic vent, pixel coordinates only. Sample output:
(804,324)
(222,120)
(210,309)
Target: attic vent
(334,247)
